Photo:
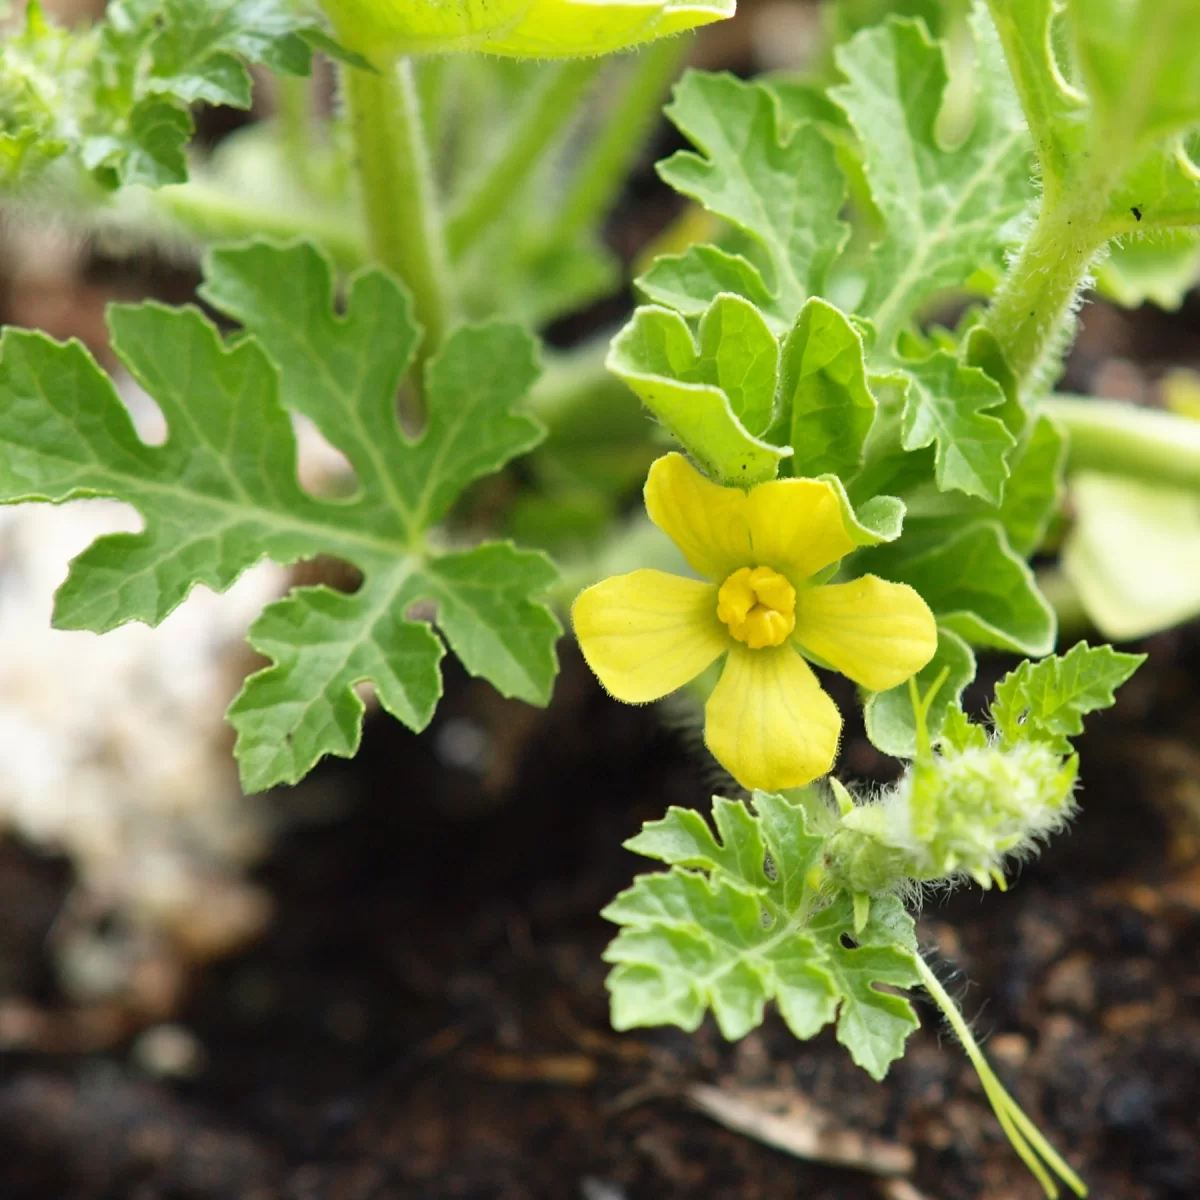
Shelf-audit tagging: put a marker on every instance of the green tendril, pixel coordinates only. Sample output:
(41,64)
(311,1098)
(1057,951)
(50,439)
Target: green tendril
(1027,1140)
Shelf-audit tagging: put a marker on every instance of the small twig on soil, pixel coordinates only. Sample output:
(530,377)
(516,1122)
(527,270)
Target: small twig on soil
(898,1189)
(571,1070)
(789,1121)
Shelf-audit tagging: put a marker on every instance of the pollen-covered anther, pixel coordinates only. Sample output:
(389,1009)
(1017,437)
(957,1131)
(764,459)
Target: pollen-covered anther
(759,607)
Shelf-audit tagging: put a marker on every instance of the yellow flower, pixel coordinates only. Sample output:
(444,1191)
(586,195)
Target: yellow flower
(762,553)
(516,28)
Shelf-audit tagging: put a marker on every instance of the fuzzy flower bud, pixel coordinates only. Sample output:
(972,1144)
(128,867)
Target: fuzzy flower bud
(954,816)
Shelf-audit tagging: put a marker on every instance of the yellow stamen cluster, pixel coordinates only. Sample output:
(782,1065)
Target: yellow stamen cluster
(759,607)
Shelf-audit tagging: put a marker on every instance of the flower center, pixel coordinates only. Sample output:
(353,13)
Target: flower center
(759,606)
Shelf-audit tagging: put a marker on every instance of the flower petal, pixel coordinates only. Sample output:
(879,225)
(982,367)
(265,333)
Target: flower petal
(517,28)
(561,28)
(647,633)
(707,522)
(768,723)
(796,526)
(877,633)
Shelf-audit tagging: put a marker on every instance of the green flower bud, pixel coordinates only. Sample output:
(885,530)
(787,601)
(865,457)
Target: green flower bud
(515,28)
(954,816)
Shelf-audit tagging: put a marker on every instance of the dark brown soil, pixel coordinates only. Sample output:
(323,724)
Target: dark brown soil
(427,1017)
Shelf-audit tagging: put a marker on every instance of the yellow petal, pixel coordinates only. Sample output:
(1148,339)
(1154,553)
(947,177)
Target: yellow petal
(796,526)
(768,723)
(707,522)
(647,633)
(564,28)
(518,28)
(877,633)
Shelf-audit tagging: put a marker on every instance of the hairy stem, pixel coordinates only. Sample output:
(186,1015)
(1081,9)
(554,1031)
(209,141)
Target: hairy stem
(1037,1153)
(1030,316)
(398,193)
(609,158)
(199,212)
(546,112)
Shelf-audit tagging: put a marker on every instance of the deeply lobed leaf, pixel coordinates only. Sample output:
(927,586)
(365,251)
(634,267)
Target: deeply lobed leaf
(739,920)
(221,492)
(947,211)
(777,184)
(1046,702)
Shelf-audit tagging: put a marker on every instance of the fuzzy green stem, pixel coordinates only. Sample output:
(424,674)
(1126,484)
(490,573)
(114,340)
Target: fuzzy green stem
(397,190)
(1026,1138)
(1030,315)
(546,112)
(197,211)
(1122,439)
(433,75)
(609,158)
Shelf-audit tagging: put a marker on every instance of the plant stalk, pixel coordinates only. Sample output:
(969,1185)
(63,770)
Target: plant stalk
(1037,1153)
(1030,316)
(203,213)
(546,112)
(1123,439)
(397,191)
(607,162)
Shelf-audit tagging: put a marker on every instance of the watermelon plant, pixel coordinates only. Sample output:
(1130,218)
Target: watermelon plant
(847,484)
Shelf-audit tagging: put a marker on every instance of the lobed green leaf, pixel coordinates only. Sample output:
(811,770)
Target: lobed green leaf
(946,211)
(975,584)
(1045,702)
(825,388)
(221,492)
(706,394)
(776,182)
(739,920)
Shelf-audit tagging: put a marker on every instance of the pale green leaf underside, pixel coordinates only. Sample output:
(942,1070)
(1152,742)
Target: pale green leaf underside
(736,923)
(694,394)
(220,493)
(1161,268)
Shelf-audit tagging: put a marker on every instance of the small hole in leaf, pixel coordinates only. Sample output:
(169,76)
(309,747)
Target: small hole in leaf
(770,870)
(323,470)
(147,417)
(408,410)
(848,943)
(334,573)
